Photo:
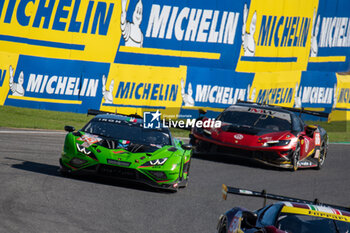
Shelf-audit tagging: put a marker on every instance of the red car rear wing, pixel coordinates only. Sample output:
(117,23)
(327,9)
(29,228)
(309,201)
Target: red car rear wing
(297,110)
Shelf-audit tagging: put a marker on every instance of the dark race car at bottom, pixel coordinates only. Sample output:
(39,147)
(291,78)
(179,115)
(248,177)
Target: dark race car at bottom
(291,215)
(118,146)
(273,135)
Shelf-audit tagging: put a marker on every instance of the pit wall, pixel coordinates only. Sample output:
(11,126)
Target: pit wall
(176,56)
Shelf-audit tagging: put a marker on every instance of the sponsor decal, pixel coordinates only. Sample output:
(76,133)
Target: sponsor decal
(245,191)
(50,82)
(147,91)
(317,211)
(335,32)
(177,22)
(309,93)
(61,16)
(307,143)
(275,95)
(145,87)
(89,139)
(201,90)
(56,84)
(275,40)
(314,95)
(317,139)
(305,163)
(155,30)
(283,31)
(344,95)
(192,24)
(219,94)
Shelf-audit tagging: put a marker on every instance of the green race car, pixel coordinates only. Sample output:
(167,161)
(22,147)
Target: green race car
(119,146)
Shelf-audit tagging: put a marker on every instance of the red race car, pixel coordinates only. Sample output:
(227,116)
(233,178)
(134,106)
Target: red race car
(291,215)
(273,135)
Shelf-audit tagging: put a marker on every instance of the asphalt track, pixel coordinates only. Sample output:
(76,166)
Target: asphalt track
(35,198)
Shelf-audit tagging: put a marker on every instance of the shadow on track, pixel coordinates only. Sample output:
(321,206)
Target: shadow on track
(227,159)
(52,170)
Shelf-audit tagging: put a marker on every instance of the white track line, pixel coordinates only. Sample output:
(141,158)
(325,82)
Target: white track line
(30,132)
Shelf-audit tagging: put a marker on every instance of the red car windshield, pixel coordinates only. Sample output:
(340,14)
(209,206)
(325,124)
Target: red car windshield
(255,120)
(294,223)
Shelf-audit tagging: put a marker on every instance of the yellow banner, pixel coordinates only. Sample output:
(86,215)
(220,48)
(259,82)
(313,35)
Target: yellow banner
(80,30)
(276,35)
(342,108)
(278,88)
(131,88)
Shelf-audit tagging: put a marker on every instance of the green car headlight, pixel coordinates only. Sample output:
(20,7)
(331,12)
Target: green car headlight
(156,162)
(83,149)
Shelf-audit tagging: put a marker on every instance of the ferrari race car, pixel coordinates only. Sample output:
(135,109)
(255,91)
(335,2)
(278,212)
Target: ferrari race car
(119,146)
(273,135)
(288,216)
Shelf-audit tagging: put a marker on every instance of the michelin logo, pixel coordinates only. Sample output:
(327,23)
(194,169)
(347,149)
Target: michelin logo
(59,85)
(192,24)
(222,94)
(131,31)
(335,32)
(315,95)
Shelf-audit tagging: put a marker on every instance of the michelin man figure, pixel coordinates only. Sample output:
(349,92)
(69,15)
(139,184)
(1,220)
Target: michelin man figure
(335,96)
(187,98)
(248,41)
(251,96)
(107,94)
(297,98)
(131,31)
(16,88)
(315,30)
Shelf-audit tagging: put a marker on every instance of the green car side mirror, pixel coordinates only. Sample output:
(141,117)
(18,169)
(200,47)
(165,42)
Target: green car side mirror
(69,128)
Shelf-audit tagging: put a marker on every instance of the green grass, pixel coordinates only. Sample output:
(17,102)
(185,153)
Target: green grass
(14,117)
(337,131)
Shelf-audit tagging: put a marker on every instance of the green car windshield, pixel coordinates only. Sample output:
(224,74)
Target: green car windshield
(295,223)
(123,130)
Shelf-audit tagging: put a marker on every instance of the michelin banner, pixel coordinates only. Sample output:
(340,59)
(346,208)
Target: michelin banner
(71,55)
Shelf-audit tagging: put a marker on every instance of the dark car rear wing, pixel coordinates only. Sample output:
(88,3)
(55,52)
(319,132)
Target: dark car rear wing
(297,110)
(265,195)
(95,112)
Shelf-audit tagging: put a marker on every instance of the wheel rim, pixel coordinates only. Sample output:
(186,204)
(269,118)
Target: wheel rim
(322,154)
(296,158)
(223,225)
